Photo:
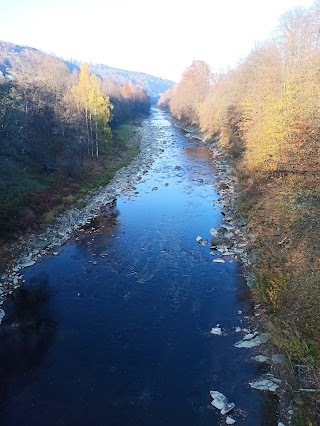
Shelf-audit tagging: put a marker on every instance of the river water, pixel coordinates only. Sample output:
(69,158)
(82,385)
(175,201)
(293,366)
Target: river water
(115,329)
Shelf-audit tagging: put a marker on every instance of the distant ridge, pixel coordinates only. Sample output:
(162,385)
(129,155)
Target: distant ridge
(11,54)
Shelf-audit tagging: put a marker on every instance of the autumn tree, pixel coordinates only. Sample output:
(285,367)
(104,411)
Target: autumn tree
(190,92)
(95,108)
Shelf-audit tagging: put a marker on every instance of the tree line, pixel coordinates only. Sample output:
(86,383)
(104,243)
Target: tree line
(267,108)
(265,115)
(47,111)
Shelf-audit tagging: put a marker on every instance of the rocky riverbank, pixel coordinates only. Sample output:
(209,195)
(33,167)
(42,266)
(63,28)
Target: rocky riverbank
(229,241)
(100,202)
(233,240)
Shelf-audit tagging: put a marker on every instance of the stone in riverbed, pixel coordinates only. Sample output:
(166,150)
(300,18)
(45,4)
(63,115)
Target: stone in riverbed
(227,227)
(2,315)
(277,358)
(220,240)
(227,408)
(268,383)
(261,359)
(214,232)
(252,342)
(216,331)
(27,264)
(219,401)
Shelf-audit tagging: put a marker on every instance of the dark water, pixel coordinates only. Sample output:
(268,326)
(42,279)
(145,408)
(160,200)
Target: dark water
(114,331)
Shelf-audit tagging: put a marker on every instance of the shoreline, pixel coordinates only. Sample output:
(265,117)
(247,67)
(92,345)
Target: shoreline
(33,246)
(265,354)
(75,220)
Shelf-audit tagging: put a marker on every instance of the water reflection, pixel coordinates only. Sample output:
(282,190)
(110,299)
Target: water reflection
(28,332)
(105,220)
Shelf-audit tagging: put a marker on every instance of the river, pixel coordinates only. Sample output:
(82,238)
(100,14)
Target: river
(114,329)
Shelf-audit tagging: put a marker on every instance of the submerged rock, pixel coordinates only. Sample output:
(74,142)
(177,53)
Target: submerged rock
(2,315)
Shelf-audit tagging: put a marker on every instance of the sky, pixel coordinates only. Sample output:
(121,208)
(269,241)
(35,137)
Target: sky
(161,38)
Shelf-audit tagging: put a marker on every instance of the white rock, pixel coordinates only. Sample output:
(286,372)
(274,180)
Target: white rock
(228,253)
(228,235)
(218,261)
(256,341)
(217,331)
(227,227)
(214,232)
(250,336)
(230,420)
(227,408)
(281,424)
(218,400)
(199,239)
(238,329)
(2,315)
(260,358)
(27,264)
(269,383)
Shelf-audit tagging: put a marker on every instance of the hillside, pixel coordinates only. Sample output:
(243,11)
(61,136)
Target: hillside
(12,54)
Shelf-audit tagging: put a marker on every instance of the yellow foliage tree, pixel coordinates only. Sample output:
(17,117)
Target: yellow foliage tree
(95,106)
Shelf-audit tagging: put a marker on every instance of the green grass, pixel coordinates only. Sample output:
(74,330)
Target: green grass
(46,195)
(123,133)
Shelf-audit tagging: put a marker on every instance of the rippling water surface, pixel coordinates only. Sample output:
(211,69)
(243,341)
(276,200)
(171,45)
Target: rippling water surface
(114,330)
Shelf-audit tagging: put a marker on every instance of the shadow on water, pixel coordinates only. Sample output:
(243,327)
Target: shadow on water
(105,220)
(27,334)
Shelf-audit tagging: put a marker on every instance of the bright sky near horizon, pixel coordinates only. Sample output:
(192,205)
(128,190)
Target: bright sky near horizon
(160,38)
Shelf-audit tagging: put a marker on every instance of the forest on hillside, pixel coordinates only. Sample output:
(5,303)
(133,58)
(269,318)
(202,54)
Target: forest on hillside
(265,115)
(55,128)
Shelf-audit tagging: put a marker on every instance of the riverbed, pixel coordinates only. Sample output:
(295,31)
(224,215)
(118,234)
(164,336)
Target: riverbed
(113,326)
